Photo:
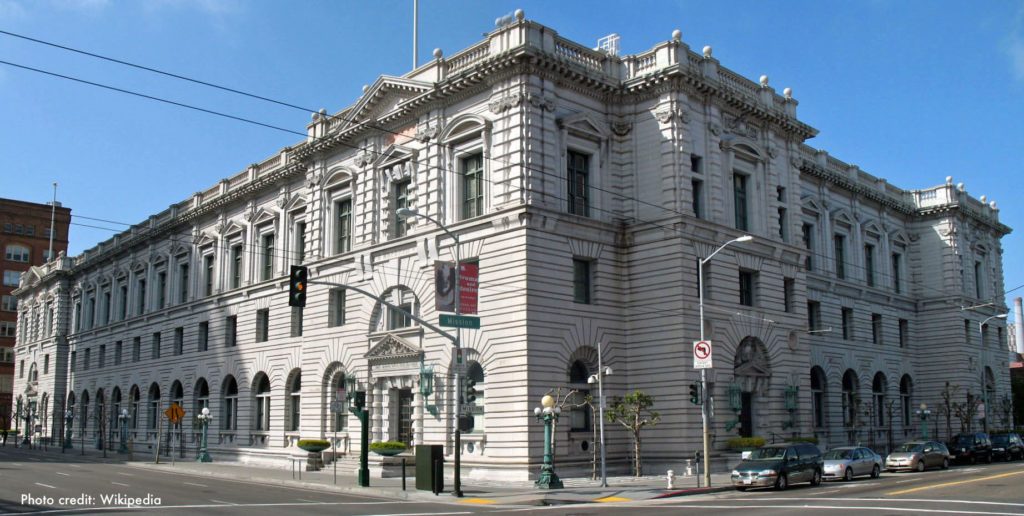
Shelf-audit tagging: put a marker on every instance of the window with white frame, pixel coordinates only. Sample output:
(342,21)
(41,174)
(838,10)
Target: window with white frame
(342,225)
(581,280)
(161,290)
(11,278)
(262,324)
(399,200)
(17,253)
(472,170)
(208,272)
(183,279)
(578,182)
(235,261)
(300,241)
(267,258)
(336,307)
(261,398)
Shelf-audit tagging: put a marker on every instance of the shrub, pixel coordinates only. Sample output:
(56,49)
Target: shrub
(745,443)
(314,442)
(802,439)
(387,445)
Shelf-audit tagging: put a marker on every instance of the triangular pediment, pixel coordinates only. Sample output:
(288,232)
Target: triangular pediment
(395,154)
(584,125)
(393,347)
(387,94)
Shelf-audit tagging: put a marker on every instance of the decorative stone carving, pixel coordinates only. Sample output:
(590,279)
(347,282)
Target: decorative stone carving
(393,347)
(283,198)
(541,101)
(714,128)
(621,128)
(796,161)
(773,151)
(250,211)
(363,159)
(663,114)
(739,126)
(426,132)
(499,104)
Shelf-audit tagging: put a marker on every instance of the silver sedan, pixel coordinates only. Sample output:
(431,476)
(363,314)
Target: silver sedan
(847,462)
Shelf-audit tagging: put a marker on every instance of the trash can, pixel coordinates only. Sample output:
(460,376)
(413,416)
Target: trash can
(430,467)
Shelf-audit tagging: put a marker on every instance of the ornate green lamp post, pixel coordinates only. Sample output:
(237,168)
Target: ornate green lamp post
(204,421)
(923,413)
(358,408)
(69,417)
(548,414)
(122,420)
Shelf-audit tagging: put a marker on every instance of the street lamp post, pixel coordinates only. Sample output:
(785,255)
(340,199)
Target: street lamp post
(599,380)
(984,391)
(548,413)
(923,413)
(358,409)
(204,418)
(406,213)
(122,420)
(69,416)
(703,372)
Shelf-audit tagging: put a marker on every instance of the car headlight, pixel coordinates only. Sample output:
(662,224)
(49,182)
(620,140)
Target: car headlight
(998,449)
(962,450)
(735,473)
(767,473)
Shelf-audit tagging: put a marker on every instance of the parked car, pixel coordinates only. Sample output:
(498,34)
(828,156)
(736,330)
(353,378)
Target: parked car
(778,466)
(1007,447)
(917,455)
(971,448)
(846,462)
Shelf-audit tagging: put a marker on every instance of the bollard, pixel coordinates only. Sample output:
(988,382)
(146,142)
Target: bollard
(403,473)
(671,479)
(689,467)
(438,476)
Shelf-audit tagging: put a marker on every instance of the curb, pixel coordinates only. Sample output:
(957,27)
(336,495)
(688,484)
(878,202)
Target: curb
(694,491)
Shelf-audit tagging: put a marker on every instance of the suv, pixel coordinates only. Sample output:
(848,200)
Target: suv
(971,447)
(778,466)
(1007,447)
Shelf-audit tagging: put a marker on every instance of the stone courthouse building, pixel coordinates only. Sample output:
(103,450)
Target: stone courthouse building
(586,186)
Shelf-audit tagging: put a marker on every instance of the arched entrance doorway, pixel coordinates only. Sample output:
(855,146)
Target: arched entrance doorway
(751,371)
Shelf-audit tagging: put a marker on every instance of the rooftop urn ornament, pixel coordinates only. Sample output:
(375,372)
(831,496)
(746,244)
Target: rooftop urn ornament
(992,205)
(438,53)
(366,88)
(788,92)
(949,180)
(707,51)
(677,35)
(764,81)
(520,15)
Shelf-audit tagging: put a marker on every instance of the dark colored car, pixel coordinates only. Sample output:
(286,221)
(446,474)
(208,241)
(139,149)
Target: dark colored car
(971,448)
(778,466)
(916,456)
(1007,447)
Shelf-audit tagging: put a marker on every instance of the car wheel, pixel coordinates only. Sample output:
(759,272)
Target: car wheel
(782,483)
(945,463)
(920,465)
(876,471)
(816,478)
(848,476)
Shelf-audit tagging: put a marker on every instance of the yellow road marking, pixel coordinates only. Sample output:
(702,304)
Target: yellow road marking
(612,499)
(477,500)
(905,491)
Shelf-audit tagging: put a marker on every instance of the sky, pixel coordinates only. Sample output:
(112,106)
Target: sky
(910,91)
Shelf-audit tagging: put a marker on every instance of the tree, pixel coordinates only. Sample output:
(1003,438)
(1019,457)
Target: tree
(634,412)
(966,411)
(946,409)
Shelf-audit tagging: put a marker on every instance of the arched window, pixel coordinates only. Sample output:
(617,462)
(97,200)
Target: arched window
(83,415)
(177,393)
(71,408)
(229,400)
(579,416)
(201,395)
(878,390)
(906,400)
(154,405)
(337,385)
(851,402)
(473,421)
(261,400)
(33,373)
(818,396)
(115,407)
(134,394)
(294,401)
(101,410)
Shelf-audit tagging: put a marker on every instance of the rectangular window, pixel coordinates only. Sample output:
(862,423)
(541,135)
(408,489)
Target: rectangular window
(183,283)
(268,256)
(336,308)
(578,170)
(262,325)
(400,199)
(123,302)
(156,345)
(896,262)
(780,196)
(11,278)
(343,226)
(7,329)
(46,364)
(204,336)
(840,248)
(300,242)
(904,330)
(739,198)
(231,331)
(472,168)
(813,316)
(236,266)
(984,335)
(140,297)
(398,319)
(967,332)
(581,281)
(876,328)
(847,323)
(697,197)
(102,356)
(296,321)
(30,230)
(17,253)
(808,237)
(136,349)
(118,350)
(72,362)
(161,290)
(747,286)
(978,291)
(9,304)
(208,275)
(86,359)
(869,264)
(106,307)
(696,164)
(179,340)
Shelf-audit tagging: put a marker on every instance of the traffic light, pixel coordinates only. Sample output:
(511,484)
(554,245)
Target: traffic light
(695,394)
(470,390)
(297,286)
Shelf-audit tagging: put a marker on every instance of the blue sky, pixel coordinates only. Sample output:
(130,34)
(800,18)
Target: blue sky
(911,91)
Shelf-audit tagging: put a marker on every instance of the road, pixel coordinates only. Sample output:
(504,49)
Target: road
(54,483)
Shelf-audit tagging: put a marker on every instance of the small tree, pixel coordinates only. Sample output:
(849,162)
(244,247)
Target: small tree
(634,412)
(946,409)
(966,411)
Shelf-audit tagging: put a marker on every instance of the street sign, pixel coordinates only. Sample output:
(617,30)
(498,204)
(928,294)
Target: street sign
(459,321)
(471,409)
(444,287)
(337,407)
(702,354)
(175,413)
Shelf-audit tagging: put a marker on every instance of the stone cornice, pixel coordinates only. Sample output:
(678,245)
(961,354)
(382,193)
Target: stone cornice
(812,169)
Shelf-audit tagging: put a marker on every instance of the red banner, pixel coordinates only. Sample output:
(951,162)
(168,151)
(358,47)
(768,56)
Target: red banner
(444,287)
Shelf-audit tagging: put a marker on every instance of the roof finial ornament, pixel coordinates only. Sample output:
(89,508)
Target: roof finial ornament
(677,35)
(707,51)
(438,53)
(764,81)
(788,92)
(520,15)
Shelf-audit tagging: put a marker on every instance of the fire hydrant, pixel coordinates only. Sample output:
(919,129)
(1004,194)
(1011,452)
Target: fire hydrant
(671,479)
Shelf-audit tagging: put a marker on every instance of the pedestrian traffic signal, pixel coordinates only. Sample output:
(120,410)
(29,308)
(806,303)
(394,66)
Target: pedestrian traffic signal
(470,390)
(297,286)
(695,394)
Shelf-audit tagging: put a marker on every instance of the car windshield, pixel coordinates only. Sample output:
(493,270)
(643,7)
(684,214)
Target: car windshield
(768,453)
(908,447)
(1000,439)
(838,454)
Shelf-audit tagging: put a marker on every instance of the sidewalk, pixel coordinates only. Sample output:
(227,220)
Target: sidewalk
(576,491)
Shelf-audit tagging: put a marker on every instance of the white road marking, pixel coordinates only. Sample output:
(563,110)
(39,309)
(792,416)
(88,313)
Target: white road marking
(305,500)
(74,465)
(45,485)
(922,500)
(126,474)
(281,504)
(120,484)
(222,502)
(61,473)
(35,459)
(197,485)
(863,508)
